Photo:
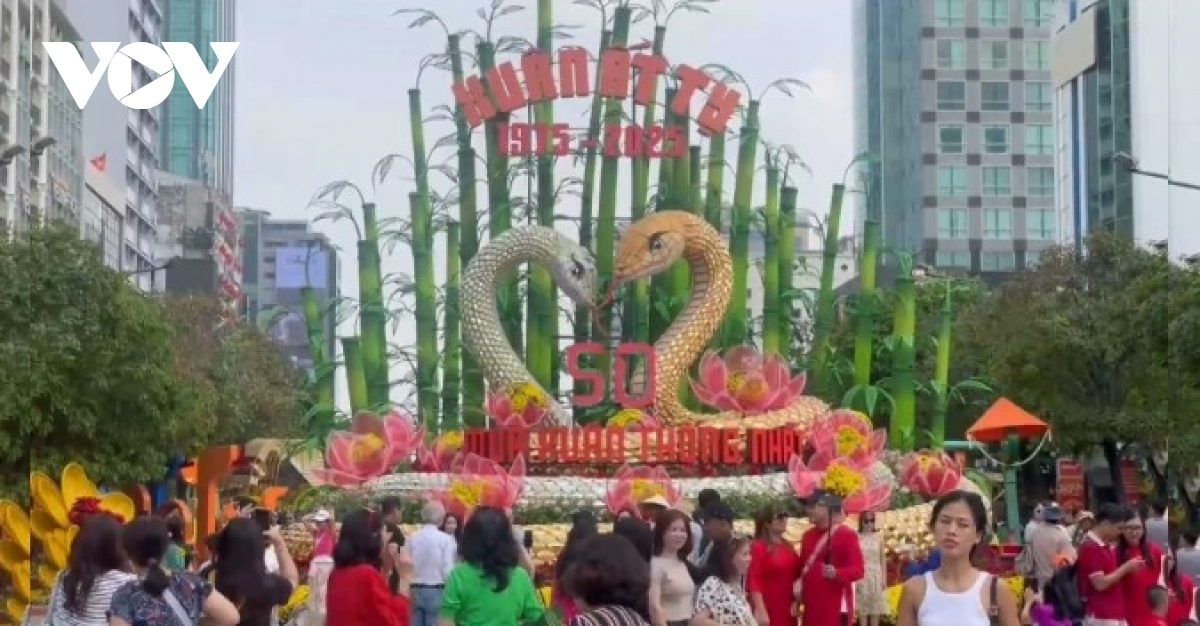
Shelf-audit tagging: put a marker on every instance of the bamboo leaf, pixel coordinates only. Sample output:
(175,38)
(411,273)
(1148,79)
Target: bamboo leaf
(384,165)
(510,9)
(482,14)
(510,43)
(786,86)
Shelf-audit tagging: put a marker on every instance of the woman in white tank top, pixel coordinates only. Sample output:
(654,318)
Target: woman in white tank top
(956,593)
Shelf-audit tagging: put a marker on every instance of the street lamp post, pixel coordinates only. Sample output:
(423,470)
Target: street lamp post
(1130,164)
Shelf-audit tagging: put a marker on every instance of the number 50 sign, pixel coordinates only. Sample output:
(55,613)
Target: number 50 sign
(594,379)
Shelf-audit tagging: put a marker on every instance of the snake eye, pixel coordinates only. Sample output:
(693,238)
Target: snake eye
(576,269)
(656,243)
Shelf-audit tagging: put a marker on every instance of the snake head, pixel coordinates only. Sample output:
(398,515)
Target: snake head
(575,272)
(650,246)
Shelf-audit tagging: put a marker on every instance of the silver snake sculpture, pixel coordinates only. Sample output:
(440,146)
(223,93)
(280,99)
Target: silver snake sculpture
(574,271)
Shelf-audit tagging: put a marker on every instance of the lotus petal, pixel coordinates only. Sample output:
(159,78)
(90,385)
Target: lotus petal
(76,485)
(754,393)
(368,423)
(713,373)
(802,479)
(499,406)
(48,498)
(743,359)
(402,435)
(120,505)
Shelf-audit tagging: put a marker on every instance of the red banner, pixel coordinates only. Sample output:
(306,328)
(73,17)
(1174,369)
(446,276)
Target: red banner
(1131,482)
(1070,489)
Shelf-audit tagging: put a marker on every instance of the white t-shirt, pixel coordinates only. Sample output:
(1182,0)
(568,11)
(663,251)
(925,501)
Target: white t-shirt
(95,608)
(271,559)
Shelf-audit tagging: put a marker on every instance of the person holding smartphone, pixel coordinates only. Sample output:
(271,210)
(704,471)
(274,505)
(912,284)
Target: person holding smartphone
(1099,570)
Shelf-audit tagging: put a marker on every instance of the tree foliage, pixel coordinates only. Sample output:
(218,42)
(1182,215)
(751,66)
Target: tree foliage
(244,384)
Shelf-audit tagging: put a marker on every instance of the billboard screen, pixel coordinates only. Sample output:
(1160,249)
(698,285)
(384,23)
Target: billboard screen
(300,267)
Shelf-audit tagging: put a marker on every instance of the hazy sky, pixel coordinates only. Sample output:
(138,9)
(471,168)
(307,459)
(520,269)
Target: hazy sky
(321,92)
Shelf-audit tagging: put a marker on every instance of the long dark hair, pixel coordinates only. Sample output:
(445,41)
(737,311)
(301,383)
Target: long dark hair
(583,527)
(1143,545)
(610,571)
(240,571)
(95,551)
(488,544)
(146,541)
(360,541)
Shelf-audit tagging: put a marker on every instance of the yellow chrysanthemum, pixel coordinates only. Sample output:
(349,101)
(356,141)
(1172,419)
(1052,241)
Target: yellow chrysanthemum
(843,481)
(451,439)
(641,489)
(521,394)
(849,440)
(298,600)
(366,447)
(625,418)
(14,558)
(468,492)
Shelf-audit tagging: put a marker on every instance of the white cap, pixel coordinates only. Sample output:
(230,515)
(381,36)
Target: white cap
(321,516)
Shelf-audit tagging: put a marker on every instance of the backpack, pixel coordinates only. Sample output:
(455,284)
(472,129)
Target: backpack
(1064,588)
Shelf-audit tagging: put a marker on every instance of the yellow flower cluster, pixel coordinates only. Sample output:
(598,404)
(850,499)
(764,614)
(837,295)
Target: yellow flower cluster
(843,481)
(849,440)
(298,600)
(467,491)
(625,418)
(642,490)
(521,394)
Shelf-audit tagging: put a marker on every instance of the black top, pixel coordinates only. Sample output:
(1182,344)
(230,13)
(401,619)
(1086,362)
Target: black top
(276,591)
(398,540)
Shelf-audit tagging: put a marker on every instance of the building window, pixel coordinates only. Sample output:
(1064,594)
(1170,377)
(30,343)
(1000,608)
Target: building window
(1032,257)
(1038,97)
(997,262)
(1041,182)
(1037,56)
(952,96)
(1039,139)
(993,13)
(952,223)
(950,14)
(997,224)
(1040,225)
(994,96)
(953,259)
(997,181)
(952,181)
(950,140)
(951,54)
(995,139)
(993,55)
(1039,13)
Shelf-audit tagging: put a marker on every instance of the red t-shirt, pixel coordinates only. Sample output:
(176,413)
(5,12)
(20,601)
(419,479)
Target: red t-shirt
(1096,558)
(1179,608)
(1136,585)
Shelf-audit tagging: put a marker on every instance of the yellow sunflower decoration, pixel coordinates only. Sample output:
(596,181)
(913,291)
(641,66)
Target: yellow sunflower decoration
(58,511)
(14,558)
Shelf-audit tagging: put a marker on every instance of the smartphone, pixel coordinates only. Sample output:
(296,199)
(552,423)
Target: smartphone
(528,540)
(262,517)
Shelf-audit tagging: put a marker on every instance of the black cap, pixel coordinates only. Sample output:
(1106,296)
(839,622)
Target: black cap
(828,500)
(718,511)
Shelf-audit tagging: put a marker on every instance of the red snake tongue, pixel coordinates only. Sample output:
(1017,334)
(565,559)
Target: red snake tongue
(609,297)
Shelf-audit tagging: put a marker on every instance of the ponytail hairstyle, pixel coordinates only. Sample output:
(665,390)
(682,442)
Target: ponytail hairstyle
(146,540)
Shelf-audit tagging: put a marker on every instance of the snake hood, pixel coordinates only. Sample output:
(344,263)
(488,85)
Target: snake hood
(574,272)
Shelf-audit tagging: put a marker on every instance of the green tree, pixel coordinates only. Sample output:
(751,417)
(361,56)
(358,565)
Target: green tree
(239,374)
(85,367)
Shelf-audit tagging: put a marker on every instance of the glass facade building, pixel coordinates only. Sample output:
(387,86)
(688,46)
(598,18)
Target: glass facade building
(1107,123)
(198,143)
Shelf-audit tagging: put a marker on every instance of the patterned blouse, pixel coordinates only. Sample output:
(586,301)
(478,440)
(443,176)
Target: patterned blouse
(726,604)
(132,604)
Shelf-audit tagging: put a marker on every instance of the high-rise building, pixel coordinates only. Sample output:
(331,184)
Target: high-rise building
(1128,89)
(198,238)
(124,140)
(280,258)
(41,129)
(104,216)
(198,143)
(954,100)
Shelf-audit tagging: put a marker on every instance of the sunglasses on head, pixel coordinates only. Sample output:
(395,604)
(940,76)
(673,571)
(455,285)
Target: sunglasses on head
(781,516)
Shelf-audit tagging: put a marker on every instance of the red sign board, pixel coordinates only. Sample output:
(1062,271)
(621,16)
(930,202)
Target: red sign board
(1070,490)
(595,379)
(1130,482)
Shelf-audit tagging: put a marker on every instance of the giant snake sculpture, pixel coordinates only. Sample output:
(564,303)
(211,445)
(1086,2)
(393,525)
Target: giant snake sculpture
(574,272)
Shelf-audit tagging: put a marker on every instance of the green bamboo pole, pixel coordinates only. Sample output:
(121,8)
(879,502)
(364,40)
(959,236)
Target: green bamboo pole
(468,218)
(681,192)
(736,328)
(324,383)
(662,284)
(638,306)
(788,200)
(372,316)
(356,375)
(772,337)
(426,313)
(901,434)
(865,311)
(941,380)
(452,351)
(541,313)
(500,206)
(714,184)
(823,326)
(610,174)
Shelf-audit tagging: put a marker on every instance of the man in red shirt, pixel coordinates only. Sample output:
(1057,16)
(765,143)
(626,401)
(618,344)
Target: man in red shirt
(1097,569)
(832,562)
(1159,599)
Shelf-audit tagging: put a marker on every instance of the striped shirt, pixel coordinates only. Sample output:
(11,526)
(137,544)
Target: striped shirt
(95,606)
(609,616)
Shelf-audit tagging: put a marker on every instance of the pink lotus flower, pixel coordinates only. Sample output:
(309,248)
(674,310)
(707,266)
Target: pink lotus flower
(746,381)
(929,474)
(372,447)
(477,481)
(860,489)
(439,456)
(525,412)
(845,434)
(632,485)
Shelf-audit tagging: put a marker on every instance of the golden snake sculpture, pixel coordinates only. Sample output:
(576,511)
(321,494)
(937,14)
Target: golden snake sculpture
(651,246)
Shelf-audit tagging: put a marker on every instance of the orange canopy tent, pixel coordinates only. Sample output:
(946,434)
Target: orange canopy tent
(1005,418)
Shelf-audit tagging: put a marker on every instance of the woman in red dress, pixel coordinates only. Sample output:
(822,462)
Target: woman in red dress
(774,566)
(1136,586)
(362,560)
(1181,592)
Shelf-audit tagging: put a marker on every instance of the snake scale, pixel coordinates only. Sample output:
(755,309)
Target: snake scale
(574,272)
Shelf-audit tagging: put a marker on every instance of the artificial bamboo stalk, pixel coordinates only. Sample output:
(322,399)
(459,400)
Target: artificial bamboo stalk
(941,376)
(356,375)
(325,376)
(662,284)
(468,218)
(372,316)
(736,328)
(714,184)
(823,326)
(772,338)
(452,333)
(681,192)
(541,313)
(865,310)
(788,199)
(426,313)
(609,178)
(902,431)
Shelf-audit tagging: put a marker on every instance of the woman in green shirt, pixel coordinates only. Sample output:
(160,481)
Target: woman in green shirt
(489,588)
